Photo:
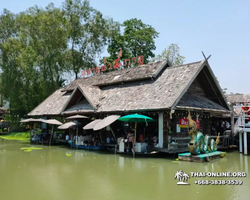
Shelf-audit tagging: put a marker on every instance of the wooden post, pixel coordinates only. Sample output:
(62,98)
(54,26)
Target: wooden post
(232,127)
(166,129)
(160,130)
(77,137)
(240,142)
(245,143)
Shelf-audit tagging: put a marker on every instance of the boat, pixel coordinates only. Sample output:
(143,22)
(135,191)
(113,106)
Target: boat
(85,146)
(137,154)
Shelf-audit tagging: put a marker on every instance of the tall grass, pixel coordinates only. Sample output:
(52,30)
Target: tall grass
(17,136)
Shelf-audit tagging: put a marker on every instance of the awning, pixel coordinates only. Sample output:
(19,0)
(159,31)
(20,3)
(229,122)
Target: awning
(67,125)
(92,124)
(106,122)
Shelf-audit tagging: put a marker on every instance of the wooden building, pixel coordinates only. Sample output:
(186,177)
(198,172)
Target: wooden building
(240,120)
(156,89)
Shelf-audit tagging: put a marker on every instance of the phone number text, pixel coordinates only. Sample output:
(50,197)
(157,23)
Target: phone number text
(218,182)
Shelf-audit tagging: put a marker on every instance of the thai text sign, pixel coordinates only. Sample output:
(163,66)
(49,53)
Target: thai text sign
(115,65)
(183,123)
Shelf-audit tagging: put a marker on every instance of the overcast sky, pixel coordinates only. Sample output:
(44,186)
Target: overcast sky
(220,28)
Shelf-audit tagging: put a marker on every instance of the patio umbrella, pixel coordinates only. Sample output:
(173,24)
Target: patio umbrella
(27,120)
(53,122)
(67,125)
(136,118)
(31,120)
(77,117)
(106,122)
(92,124)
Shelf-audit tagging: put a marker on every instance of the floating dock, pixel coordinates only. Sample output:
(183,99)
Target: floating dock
(202,157)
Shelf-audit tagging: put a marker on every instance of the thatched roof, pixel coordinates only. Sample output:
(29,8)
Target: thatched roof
(238,98)
(148,87)
(53,105)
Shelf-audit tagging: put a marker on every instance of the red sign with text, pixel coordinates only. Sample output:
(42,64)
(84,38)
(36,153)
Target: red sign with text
(116,64)
(183,123)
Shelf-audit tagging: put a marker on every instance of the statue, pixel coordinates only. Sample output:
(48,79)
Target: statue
(198,143)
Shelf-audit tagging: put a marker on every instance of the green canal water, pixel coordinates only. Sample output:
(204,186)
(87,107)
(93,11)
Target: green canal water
(62,173)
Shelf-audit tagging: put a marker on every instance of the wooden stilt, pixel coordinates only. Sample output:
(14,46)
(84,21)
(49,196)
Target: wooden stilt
(240,142)
(245,143)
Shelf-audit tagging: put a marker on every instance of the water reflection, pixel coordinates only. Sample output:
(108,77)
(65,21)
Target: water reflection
(121,162)
(65,173)
(246,163)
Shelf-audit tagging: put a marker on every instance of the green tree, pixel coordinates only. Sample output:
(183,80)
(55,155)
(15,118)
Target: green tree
(172,54)
(39,46)
(31,56)
(88,33)
(137,39)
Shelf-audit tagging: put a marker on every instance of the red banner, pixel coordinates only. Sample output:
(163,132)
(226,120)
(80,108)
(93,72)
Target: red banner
(183,123)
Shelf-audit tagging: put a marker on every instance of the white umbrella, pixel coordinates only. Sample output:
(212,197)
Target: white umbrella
(52,121)
(67,125)
(77,117)
(106,122)
(27,120)
(92,124)
(32,120)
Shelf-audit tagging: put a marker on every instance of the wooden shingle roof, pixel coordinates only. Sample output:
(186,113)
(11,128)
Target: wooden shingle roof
(148,87)
(238,98)
(52,105)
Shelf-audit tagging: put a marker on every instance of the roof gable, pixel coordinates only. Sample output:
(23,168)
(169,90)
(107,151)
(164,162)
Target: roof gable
(209,87)
(78,102)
